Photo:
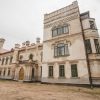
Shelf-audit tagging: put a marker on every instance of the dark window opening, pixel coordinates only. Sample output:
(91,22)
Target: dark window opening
(74,72)
(88,46)
(61,50)
(97,46)
(50,71)
(92,25)
(61,71)
(60,30)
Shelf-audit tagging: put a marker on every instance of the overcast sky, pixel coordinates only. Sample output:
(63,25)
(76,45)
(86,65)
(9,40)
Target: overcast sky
(22,20)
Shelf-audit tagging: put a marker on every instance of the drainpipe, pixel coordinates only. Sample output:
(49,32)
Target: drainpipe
(87,56)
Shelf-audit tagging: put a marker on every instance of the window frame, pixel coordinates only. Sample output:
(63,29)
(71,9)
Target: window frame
(92,25)
(58,48)
(62,71)
(8,72)
(97,46)
(73,69)
(60,30)
(88,46)
(50,71)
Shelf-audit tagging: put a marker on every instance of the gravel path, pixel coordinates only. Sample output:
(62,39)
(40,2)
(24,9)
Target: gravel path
(10,90)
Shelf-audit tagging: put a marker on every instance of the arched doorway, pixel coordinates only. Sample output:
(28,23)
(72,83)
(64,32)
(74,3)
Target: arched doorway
(32,73)
(21,74)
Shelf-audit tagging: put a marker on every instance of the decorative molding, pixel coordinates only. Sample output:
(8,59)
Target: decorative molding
(61,22)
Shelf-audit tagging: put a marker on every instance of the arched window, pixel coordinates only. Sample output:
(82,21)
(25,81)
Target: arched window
(6,60)
(0,71)
(31,56)
(41,56)
(4,72)
(3,60)
(11,58)
(8,72)
(20,57)
(60,30)
(0,60)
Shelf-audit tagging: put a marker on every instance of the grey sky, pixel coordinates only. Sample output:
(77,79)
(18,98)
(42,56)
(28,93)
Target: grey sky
(22,20)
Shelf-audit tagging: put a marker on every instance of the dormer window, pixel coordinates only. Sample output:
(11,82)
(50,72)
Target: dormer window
(60,30)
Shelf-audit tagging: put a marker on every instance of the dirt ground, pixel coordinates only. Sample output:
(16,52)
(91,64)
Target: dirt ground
(10,90)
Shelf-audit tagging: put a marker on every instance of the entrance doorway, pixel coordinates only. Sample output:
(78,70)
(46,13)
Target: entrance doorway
(21,74)
(32,73)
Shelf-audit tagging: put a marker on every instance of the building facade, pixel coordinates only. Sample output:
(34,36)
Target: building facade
(70,52)
(72,45)
(22,63)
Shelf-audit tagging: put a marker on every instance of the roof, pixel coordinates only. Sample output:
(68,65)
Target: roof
(3,50)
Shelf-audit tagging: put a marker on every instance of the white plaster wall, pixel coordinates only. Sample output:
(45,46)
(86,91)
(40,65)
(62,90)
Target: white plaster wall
(67,70)
(56,70)
(76,51)
(85,23)
(74,27)
(44,70)
(82,69)
(95,68)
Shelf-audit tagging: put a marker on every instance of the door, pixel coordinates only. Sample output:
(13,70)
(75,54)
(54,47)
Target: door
(21,74)
(32,73)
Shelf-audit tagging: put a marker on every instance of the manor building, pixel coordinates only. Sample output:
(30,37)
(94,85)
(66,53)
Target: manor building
(70,52)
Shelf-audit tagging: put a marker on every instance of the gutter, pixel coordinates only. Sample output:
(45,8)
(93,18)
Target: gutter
(87,56)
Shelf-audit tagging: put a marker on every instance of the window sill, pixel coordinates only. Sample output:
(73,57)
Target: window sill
(61,56)
(60,35)
(75,77)
(62,77)
(50,77)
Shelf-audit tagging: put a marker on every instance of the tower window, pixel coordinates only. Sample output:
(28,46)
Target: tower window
(97,45)
(92,25)
(60,30)
(88,46)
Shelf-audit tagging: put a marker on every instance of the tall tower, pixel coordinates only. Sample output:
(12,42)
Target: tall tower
(1,42)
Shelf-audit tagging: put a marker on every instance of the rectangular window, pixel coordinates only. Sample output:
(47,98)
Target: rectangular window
(88,46)
(4,72)
(8,72)
(61,71)
(0,72)
(74,72)
(61,50)
(97,46)
(50,71)
(65,29)
(3,60)
(60,30)
(92,25)
(54,32)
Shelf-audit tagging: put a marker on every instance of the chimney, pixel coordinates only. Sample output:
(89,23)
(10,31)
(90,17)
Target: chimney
(17,46)
(23,44)
(27,43)
(1,42)
(37,40)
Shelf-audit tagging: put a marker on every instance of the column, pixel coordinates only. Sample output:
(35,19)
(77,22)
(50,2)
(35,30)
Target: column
(67,70)
(56,70)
